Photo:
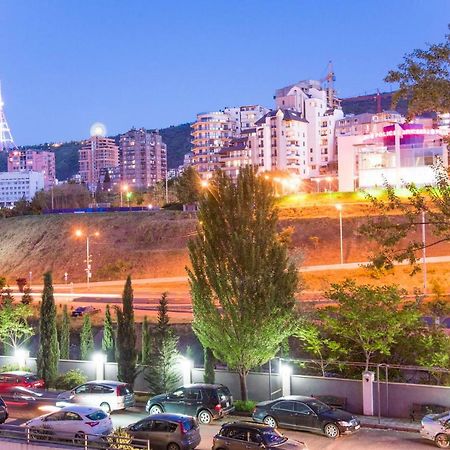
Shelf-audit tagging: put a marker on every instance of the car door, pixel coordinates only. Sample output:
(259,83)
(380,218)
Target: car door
(82,395)
(305,417)
(56,423)
(142,430)
(192,401)
(71,423)
(175,401)
(236,438)
(161,434)
(284,413)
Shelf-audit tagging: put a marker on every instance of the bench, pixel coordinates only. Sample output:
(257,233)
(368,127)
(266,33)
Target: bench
(332,400)
(418,410)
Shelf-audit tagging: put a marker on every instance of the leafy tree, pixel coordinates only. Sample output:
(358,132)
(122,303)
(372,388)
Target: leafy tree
(108,335)
(7,296)
(439,306)
(424,79)
(21,283)
(86,339)
(14,327)
(209,361)
(48,353)
(146,347)
(64,338)
(368,318)
(188,186)
(242,282)
(126,336)
(27,298)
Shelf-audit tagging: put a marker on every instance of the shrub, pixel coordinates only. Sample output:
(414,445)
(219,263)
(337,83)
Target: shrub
(244,405)
(120,439)
(13,367)
(70,379)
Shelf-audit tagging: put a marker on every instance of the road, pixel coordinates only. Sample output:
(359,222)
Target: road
(366,439)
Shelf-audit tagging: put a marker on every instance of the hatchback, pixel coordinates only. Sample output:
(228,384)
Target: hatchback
(253,436)
(204,401)
(72,422)
(436,427)
(168,431)
(11,380)
(3,411)
(108,395)
(306,413)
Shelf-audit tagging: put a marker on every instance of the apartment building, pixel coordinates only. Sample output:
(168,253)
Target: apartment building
(15,186)
(96,155)
(143,158)
(33,161)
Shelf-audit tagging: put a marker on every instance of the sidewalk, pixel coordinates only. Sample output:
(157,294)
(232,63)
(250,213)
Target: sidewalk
(388,423)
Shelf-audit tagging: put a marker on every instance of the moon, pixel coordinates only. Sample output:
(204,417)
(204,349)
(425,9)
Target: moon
(98,129)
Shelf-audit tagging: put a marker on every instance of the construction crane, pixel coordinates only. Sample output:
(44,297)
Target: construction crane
(328,84)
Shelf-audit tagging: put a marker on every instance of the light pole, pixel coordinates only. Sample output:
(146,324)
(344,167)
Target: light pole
(167,188)
(30,276)
(88,269)
(339,208)
(424,254)
(123,189)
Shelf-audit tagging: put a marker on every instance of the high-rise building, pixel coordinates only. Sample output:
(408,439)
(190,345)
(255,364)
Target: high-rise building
(97,154)
(143,160)
(33,161)
(15,186)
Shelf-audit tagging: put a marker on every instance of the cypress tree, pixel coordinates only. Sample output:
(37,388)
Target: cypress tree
(86,339)
(48,353)
(163,327)
(146,347)
(64,338)
(108,336)
(209,360)
(126,337)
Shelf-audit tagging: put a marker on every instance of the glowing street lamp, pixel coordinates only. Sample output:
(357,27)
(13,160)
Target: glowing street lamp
(204,184)
(123,188)
(79,233)
(339,208)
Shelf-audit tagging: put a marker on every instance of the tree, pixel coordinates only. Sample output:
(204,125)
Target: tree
(162,325)
(48,353)
(367,318)
(14,327)
(86,339)
(108,335)
(209,361)
(242,282)
(21,283)
(27,298)
(64,338)
(188,186)
(424,79)
(146,347)
(3,283)
(126,337)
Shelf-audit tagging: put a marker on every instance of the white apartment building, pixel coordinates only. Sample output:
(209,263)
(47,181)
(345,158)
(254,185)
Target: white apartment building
(245,117)
(15,186)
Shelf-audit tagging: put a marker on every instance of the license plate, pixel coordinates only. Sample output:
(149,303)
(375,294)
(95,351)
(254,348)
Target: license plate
(357,427)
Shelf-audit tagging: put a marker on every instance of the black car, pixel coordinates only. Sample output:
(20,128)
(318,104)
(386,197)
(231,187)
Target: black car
(3,411)
(250,435)
(306,413)
(204,401)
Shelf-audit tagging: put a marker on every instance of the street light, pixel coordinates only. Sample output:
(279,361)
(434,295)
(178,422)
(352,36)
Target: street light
(123,188)
(204,184)
(79,233)
(339,208)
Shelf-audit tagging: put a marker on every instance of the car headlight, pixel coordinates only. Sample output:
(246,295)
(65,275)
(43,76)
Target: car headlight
(343,423)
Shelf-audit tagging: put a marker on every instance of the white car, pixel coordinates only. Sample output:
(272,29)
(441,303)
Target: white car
(436,427)
(107,395)
(72,422)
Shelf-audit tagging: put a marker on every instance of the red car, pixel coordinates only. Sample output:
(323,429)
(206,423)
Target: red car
(19,379)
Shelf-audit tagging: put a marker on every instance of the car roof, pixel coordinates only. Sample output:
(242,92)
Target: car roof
(20,373)
(203,386)
(248,424)
(299,398)
(168,416)
(80,409)
(107,382)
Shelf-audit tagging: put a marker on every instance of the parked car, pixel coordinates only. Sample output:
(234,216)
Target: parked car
(3,411)
(251,435)
(72,422)
(306,413)
(108,395)
(204,401)
(168,431)
(81,310)
(11,380)
(436,427)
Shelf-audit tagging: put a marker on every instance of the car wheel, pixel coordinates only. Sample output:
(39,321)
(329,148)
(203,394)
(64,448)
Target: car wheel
(331,430)
(271,421)
(79,438)
(155,409)
(442,440)
(204,417)
(105,406)
(173,446)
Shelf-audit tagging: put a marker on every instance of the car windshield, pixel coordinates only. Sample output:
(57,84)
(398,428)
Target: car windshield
(317,406)
(441,415)
(97,415)
(273,437)
(31,378)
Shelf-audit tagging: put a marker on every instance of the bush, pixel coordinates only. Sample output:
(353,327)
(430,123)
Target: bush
(120,439)
(13,367)
(244,405)
(70,379)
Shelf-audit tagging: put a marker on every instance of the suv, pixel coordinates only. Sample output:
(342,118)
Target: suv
(11,380)
(204,401)
(3,411)
(250,435)
(108,395)
(81,310)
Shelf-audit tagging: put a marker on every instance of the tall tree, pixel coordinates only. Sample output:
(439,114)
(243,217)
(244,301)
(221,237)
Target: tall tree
(108,335)
(162,325)
(64,338)
(146,343)
(48,353)
(126,337)
(209,375)
(188,186)
(86,339)
(242,282)
(14,326)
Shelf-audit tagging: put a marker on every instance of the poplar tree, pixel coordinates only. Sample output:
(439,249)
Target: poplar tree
(108,335)
(209,360)
(48,353)
(126,337)
(146,343)
(242,282)
(64,338)
(86,339)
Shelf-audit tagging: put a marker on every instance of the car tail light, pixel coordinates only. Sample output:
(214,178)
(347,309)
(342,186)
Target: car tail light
(118,391)
(218,407)
(182,429)
(93,424)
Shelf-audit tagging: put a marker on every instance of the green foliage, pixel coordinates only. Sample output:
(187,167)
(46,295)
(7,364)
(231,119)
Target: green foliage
(240,264)
(14,327)
(178,141)
(108,345)
(13,367)
(70,379)
(27,298)
(188,186)
(48,353)
(209,361)
(2,283)
(244,405)
(64,338)
(146,347)
(120,439)
(162,326)
(126,337)
(86,339)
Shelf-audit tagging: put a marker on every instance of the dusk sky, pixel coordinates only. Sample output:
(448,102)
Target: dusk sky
(68,63)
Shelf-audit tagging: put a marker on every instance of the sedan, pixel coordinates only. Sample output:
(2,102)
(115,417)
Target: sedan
(72,422)
(436,427)
(3,411)
(19,378)
(306,413)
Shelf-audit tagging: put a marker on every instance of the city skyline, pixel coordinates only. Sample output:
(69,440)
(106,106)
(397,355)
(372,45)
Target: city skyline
(179,60)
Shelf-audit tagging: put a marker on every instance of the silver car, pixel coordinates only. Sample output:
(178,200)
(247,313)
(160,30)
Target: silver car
(107,395)
(436,427)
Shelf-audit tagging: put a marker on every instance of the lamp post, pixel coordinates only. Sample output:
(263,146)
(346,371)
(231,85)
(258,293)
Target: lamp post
(339,208)
(30,276)
(167,187)
(123,189)
(88,269)
(424,254)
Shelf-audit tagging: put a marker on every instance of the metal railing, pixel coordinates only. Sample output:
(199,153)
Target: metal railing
(34,435)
